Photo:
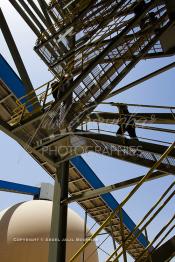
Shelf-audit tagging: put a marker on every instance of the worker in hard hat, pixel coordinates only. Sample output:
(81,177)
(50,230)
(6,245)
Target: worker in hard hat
(58,92)
(148,21)
(54,87)
(126,122)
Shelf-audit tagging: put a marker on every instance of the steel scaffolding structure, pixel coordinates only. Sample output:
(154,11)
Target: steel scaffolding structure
(95,44)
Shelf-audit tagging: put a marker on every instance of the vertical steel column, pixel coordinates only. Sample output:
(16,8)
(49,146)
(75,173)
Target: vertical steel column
(57,249)
(122,235)
(62,233)
(113,239)
(53,245)
(146,235)
(85,229)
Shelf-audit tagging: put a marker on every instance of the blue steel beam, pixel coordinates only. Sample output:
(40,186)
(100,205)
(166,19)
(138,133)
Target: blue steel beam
(19,188)
(12,81)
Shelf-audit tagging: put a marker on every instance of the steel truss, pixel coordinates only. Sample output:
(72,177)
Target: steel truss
(96,43)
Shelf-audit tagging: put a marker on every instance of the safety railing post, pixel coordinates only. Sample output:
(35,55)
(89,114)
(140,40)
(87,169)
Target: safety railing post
(123,236)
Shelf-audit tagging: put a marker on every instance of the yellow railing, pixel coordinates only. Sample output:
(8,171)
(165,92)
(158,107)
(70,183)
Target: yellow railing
(155,239)
(134,235)
(135,189)
(40,94)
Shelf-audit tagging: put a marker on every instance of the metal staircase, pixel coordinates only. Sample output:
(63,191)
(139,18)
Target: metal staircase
(95,43)
(101,67)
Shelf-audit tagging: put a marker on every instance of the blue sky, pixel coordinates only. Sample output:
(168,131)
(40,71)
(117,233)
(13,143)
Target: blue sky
(18,166)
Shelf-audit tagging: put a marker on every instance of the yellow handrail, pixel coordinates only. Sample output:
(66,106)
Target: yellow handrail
(155,166)
(34,91)
(144,218)
(143,227)
(30,102)
(156,237)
